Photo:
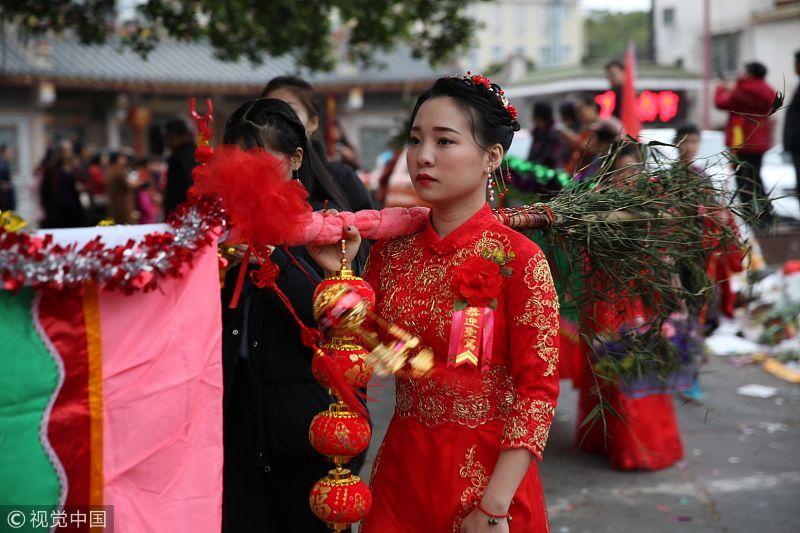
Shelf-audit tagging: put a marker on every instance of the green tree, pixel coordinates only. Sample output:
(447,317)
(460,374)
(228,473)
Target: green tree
(251,28)
(608,35)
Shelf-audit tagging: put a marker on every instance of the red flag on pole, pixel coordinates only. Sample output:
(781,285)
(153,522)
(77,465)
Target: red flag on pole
(629,114)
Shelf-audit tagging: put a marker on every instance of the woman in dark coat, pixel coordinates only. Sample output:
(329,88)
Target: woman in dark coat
(300,95)
(59,193)
(270,395)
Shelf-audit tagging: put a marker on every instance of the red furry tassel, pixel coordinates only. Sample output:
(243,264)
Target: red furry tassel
(264,207)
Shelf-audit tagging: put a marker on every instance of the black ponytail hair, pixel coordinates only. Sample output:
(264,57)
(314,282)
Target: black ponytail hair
(490,121)
(268,123)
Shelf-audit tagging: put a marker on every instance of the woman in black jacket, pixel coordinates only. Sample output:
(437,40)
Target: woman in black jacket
(270,395)
(300,95)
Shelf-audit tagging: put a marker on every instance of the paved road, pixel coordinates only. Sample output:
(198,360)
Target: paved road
(741,472)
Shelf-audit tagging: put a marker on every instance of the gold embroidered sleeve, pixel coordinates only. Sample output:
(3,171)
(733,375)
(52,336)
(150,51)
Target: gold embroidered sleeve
(533,334)
(540,310)
(528,425)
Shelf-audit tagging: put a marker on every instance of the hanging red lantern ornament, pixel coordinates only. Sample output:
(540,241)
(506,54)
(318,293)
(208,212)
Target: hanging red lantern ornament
(342,302)
(340,499)
(339,433)
(350,357)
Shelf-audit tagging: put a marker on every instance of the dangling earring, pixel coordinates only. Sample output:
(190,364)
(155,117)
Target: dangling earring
(490,183)
(296,174)
(502,188)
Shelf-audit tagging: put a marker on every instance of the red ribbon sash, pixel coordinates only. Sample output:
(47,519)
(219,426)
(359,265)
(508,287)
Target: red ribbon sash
(471,337)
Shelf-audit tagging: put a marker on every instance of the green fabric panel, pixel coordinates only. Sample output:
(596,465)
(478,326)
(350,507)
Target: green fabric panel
(27,380)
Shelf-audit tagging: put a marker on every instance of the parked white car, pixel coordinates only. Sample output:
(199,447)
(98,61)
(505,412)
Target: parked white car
(777,173)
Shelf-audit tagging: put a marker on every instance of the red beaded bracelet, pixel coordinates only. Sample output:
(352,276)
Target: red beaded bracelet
(493,518)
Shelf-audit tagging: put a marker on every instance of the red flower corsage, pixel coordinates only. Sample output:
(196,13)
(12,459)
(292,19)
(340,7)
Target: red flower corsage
(477,282)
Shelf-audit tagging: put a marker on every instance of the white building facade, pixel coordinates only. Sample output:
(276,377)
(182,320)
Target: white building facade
(547,32)
(767,31)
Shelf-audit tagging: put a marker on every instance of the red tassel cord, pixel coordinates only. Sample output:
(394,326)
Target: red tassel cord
(266,277)
(237,291)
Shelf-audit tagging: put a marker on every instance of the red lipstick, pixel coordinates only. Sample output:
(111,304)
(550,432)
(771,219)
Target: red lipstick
(423,178)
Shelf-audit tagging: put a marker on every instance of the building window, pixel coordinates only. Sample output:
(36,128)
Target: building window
(497,53)
(546,56)
(563,54)
(522,20)
(669,16)
(497,15)
(725,53)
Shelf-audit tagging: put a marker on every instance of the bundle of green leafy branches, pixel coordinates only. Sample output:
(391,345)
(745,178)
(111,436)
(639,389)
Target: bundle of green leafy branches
(638,236)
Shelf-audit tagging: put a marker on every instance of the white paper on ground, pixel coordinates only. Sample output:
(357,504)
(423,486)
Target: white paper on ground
(725,345)
(755,390)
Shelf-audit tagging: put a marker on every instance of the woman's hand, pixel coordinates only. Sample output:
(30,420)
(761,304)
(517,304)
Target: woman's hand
(508,472)
(477,522)
(329,256)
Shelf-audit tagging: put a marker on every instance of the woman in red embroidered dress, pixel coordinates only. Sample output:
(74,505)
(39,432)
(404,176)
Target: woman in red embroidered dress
(458,454)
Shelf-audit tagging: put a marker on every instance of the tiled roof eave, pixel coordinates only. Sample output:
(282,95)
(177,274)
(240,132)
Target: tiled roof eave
(200,87)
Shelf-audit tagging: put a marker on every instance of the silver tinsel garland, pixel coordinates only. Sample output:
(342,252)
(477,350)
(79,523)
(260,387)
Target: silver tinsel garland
(36,261)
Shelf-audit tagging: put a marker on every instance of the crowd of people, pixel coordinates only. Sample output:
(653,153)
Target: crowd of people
(80,185)
(482,462)
(577,140)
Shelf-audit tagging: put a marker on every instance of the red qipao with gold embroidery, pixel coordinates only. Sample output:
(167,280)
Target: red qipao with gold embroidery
(448,430)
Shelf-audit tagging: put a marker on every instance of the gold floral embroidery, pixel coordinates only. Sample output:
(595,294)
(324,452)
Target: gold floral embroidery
(416,293)
(433,402)
(475,472)
(490,240)
(528,425)
(541,310)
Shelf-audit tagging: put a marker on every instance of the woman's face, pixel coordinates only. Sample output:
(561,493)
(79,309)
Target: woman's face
(586,114)
(311,124)
(689,146)
(627,166)
(444,160)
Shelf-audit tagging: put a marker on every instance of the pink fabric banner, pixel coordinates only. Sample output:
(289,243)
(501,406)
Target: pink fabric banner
(162,403)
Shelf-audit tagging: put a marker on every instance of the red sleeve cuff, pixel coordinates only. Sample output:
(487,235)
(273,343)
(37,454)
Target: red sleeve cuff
(528,425)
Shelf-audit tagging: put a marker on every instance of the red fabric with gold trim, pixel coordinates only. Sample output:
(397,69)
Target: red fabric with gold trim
(62,318)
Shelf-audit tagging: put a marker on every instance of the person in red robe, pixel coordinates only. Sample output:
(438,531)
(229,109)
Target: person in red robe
(635,432)
(459,452)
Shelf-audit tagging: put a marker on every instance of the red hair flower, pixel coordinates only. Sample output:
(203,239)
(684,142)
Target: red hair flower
(512,111)
(477,79)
